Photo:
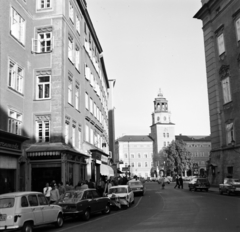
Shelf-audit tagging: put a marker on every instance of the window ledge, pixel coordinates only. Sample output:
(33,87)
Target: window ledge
(45,99)
(77,70)
(14,90)
(70,104)
(228,105)
(42,52)
(70,61)
(222,56)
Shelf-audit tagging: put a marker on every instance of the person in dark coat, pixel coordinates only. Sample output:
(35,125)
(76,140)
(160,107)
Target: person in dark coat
(177,182)
(180,182)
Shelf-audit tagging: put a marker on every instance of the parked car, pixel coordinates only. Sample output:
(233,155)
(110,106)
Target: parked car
(25,210)
(84,203)
(121,195)
(199,183)
(136,186)
(230,186)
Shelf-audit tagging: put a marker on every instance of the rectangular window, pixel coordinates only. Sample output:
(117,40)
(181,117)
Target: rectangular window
(70,49)
(44,4)
(91,106)
(86,133)
(132,165)
(164,135)
(77,93)
(43,87)
(139,155)
(226,90)
(94,110)
(18,26)
(71,12)
(86,101)
(43,131)
(43,43)
(230,134)
(146,164)
(70,91)
(66,132)
(126,155)
(221,45)
(146,156)
(14,122)
(238,29)
(15,77)
(78,25)
(139,164)
(77,58)
(79,138)
(74,135)
(91,136)
(87,72)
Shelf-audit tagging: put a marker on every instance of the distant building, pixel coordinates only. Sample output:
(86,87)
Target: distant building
(221,30)
(162,129)
(136,152)
(199,147)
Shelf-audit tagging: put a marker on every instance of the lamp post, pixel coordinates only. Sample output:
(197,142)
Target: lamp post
(129,165)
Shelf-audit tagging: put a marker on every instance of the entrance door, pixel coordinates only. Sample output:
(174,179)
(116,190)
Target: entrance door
(41,176)
(7,180)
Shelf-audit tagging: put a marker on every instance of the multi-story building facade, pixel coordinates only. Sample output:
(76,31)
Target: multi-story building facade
(54,92)
(221,29)
(134,154)
(199,147)
(162,130)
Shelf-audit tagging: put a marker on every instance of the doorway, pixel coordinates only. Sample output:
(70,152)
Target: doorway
(41,176)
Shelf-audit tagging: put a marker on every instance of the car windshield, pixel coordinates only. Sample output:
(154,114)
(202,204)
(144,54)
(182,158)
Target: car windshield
(117,190)
(135,183)
(6,203)
(71,197)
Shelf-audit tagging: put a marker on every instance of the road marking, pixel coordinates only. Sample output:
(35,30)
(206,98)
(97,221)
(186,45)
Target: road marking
(100,217)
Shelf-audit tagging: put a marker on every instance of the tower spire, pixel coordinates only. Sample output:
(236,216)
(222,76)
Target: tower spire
(160,93)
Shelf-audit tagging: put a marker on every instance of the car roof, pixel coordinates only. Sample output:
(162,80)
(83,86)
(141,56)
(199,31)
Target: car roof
(18,194)
(79,190)
(120,186)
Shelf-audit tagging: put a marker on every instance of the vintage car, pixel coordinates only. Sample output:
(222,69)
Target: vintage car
(25,210)
(84,202)
(136,186)
(199,183)
(121,195)
(230,186)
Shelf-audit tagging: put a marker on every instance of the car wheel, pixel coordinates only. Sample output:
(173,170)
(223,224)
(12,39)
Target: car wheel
(86,215)
(59,222)
(27,227)
(107,209)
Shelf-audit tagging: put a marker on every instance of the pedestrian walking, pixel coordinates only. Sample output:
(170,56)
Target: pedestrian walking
(177,182)
(180,182)
(54,194)
(47,191)
(61,189)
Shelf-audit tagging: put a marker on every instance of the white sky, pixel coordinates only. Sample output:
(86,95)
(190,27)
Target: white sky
(152,44)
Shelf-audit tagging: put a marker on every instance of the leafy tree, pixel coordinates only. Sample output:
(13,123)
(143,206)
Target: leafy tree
(177,157)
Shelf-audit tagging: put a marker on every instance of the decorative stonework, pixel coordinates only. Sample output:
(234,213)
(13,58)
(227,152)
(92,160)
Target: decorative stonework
(224,71)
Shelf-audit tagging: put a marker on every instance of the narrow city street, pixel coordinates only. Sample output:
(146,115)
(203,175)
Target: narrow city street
(167,210)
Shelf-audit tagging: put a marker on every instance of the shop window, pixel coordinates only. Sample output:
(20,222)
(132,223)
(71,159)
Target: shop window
(14,122)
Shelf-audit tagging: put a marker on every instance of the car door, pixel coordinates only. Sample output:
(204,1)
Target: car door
(36,209)
(100,201)
(91,201)
(131,195)
(48,211)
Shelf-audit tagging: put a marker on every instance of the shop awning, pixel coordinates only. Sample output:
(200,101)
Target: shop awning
(106,170)
(52,149)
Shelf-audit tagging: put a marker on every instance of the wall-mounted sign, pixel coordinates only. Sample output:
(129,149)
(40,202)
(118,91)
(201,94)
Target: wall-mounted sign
(104,159)
(10,145)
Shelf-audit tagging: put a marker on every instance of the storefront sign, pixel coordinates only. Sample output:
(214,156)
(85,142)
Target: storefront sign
(104,159)
(10,145)
(96,156)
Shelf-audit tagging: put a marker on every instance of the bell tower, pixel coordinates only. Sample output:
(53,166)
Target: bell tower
(162,128)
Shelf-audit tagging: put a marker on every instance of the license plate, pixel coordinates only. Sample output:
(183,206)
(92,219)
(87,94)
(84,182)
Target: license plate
(3,217)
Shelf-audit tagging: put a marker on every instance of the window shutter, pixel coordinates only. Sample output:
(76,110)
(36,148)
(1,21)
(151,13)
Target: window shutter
(35,45)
